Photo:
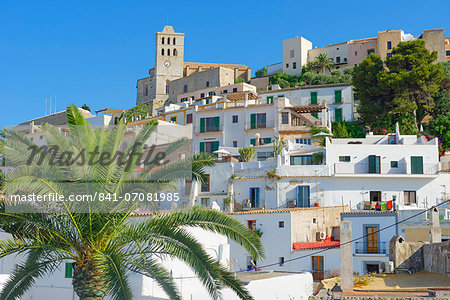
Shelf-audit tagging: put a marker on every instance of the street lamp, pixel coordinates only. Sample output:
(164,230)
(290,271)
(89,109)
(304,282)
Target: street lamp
(336,292)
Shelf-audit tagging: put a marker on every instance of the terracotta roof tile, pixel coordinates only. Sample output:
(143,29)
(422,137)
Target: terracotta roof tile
(316,245)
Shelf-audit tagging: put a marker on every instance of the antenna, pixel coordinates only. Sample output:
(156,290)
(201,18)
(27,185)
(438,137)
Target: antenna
(50,105)
(45,106)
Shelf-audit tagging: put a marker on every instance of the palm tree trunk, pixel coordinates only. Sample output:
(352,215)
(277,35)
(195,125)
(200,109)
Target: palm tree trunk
(88,282)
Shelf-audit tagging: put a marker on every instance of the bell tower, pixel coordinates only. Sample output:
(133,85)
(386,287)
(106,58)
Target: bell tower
(169,47)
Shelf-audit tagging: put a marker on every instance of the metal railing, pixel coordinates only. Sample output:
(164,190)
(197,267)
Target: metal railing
(365,248)
(385,168)
(267,124)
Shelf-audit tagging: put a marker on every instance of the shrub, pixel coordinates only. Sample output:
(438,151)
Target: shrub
(247,153)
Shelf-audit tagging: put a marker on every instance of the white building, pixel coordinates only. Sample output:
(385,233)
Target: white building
(339,98)
(295,54)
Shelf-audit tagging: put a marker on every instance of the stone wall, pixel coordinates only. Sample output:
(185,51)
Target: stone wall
(436,258)
(406,255)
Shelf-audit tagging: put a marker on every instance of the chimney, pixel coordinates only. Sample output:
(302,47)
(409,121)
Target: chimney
(346,254)
(435,230)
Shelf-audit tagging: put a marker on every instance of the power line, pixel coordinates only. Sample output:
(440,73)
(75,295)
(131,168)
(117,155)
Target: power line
(332,247)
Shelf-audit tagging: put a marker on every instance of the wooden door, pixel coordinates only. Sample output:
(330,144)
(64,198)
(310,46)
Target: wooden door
(317,267)
(372,239)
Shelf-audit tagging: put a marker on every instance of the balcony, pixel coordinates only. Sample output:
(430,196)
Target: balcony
(364,248)
(349,169)
(261,126)
(208,129)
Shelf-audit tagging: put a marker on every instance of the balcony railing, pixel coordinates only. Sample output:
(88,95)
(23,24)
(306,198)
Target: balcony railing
(384,168)
(267,124)
(366,248)
(208,130)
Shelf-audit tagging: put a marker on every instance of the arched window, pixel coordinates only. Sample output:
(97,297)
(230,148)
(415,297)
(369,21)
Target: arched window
(168,41)
(174,41)
(162,41)
(162,51)
(168,52)
(175,52)
(167,86)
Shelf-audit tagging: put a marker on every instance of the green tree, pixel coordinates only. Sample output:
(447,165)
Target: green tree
(261,72)
(440,127)
(140,111)
(346,129)
(323,62)
(247,153)
(239,80)
(411,78)
(278,145)
(373,97)
(105,248)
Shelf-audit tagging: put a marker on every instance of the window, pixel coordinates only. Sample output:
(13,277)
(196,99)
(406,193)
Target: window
(262,156)
(205,183)
(188,118)
(416,165)
(281,261)
(183,100)
(41,137)
(301,160)
(168,52)
(374,164)
(294,65)
(145,88)
(185,88)
(212,93)
(68,270)
(338,59)
(375,196)
(173,119)
(168,41)
(337,96)
(389,45)
(162,41)
(284,118)
(447,53)
(392,139)
(303,196)
(204,202)
(258,120)
(202,95)
(303,141)
(292,53)
(394,164)
(224,91)
(370,51)
(187,186)
(234,90)
(173,41)
(344,158)
(162,51)
(389,55)
(269,99)
(338,114)
(207,84)
(209,124)
(167,86)
(356,53)
(345,59)
(254,197)
(280,96)
(409,197)
(235,118)
(209,147)
(251,224)
(281,224)
(317,267)
(235,144)
(313,97)
(287,66)
(175,52)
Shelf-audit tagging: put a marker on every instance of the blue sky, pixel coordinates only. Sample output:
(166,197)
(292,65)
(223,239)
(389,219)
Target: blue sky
(93,51)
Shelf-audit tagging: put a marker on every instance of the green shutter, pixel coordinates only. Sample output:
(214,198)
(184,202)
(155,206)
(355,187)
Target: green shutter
(267,140)
(338,96)
(315,115)
(215,146)
(216,122)
(253,121)
(313,97)
(173,119)
(416,165)
(269,99)
(68,272)
(373,164)
(202,124)
(338,114)
(252,142)
(202,146)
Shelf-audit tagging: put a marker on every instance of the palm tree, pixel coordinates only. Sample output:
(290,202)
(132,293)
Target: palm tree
(323,62)
(311,67)
(102,240)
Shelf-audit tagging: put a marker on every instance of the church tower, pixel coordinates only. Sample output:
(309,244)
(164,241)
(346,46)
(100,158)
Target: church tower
(168,60)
